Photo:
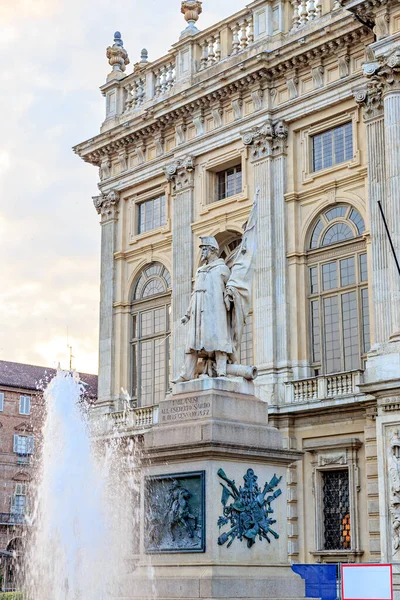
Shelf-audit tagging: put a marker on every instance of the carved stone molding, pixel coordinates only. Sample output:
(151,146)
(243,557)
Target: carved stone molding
(266,141)
(107,206)
(181,173)
(105,167)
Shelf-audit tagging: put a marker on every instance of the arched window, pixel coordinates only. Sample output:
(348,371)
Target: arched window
(229,242)
(150,335)
(338,291)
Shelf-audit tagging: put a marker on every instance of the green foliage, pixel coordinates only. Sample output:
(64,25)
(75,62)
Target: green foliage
(11,596)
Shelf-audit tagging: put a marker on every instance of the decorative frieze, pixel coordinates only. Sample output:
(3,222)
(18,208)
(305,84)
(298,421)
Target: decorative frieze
(107,205)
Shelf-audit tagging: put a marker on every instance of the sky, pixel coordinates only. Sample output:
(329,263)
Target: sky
(52,62)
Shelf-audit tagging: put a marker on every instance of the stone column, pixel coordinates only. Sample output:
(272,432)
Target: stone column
(107,207)
(391,101)
(268,154)
(371,99)
(181,174)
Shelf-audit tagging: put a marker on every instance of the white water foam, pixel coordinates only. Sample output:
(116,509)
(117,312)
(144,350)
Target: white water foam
(83,523)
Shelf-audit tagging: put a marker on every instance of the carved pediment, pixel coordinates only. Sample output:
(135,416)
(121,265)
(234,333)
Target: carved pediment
(24,427)
(22,476)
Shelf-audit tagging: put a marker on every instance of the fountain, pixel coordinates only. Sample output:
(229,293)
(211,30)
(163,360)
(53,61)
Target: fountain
(82,517)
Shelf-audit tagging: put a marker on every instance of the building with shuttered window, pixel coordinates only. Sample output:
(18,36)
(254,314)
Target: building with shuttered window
(303,100)
(21,415)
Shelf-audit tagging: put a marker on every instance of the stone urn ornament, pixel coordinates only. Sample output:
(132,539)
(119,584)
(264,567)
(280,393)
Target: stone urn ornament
(117,55)
(191,9)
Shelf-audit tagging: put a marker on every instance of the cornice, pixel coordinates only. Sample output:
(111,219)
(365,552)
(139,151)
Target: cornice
(257,70)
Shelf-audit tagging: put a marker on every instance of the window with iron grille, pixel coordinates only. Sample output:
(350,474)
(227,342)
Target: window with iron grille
(336,509)
(229,182)
(151,214)
(338,293)
(332,147)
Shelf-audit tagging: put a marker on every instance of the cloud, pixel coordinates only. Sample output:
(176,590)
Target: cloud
(52,64)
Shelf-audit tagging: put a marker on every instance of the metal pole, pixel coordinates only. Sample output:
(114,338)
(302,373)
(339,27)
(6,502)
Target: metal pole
(388,234)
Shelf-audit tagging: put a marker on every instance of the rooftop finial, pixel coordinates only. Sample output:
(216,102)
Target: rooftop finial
(117,56)
(192,10)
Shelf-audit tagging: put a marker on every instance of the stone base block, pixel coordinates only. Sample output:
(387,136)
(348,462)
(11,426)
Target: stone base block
(278,582)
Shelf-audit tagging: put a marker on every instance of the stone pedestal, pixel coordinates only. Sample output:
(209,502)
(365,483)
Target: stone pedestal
(208,428)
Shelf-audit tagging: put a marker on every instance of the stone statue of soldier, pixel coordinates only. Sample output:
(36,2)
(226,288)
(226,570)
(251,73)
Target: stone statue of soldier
(219,306)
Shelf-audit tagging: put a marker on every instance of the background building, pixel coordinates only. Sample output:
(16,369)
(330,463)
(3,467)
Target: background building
(21,412)
(302,99)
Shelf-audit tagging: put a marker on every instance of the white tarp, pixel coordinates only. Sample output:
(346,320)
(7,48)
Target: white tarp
(367,582)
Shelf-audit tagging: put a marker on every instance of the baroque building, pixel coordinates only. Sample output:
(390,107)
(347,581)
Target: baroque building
(300,99)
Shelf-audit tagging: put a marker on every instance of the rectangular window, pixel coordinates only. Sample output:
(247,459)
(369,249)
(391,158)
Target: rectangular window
(332,147)
(336,507)
(315,332)
(23,444)
(314,280)
(18,500)
(1,401)
(329,276)
(365,320)
(332,335)
(151,214)
(246,345)
(24,405)
(229,182)
(350,331)
(347,271)
(150,355)
(363,267)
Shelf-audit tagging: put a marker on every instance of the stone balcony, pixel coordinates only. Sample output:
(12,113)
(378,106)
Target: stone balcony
(324,387)
(124,421)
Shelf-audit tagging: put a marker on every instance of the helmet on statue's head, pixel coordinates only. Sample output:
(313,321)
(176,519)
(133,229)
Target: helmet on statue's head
(209,241)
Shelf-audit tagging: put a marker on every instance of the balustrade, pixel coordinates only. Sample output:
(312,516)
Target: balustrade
(154,81)
(305,11)
(326,386)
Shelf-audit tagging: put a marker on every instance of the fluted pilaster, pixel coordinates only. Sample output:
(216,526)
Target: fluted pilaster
(181,174)
(371,100)
(268,153)
(392,161)
(107,207)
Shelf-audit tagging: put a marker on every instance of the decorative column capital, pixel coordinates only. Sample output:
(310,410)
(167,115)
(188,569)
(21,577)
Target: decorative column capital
(106,205)
(267,140)
(370,98)
(384,71)
(117,56)
(181,173)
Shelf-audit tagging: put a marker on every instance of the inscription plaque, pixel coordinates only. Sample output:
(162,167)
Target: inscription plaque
(184,409)
(175,513)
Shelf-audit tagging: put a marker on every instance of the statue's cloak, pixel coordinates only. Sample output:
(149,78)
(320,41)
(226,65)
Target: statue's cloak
(209,324)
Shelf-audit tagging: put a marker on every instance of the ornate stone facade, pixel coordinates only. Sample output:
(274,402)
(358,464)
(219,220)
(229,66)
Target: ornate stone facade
(302,101)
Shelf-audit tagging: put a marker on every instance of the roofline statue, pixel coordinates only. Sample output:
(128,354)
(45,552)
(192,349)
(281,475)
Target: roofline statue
(219,306)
